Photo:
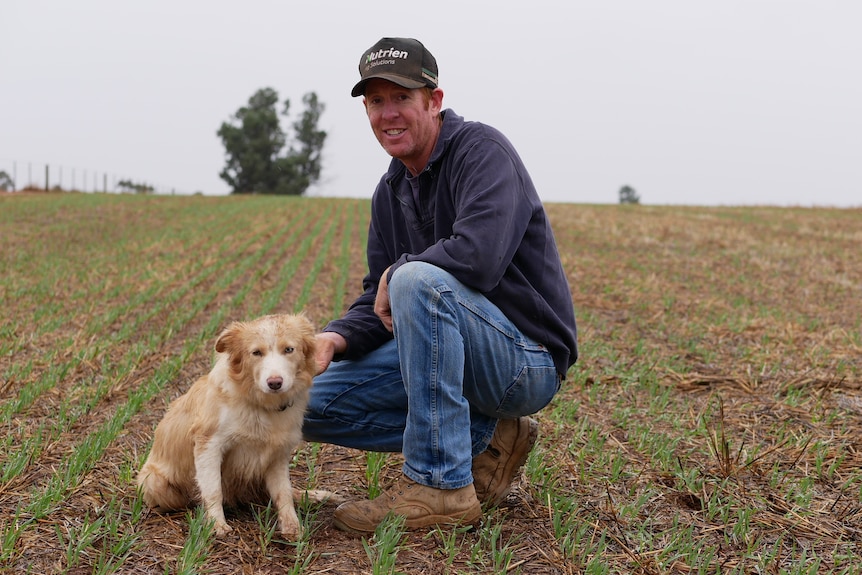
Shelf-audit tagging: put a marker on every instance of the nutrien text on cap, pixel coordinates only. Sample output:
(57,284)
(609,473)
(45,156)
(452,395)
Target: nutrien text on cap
(404,61)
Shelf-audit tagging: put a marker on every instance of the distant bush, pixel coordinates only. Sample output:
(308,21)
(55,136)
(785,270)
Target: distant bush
(628,195)
(130,186)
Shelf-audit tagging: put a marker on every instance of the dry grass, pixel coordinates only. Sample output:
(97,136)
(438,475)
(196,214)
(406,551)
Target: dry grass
(711,426)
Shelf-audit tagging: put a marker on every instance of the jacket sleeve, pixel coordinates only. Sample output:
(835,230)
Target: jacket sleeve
(492,215)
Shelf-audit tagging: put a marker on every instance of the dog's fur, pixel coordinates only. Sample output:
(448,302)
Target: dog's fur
(230,438)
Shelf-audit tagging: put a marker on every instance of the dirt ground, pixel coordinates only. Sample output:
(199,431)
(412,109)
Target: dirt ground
(755,310)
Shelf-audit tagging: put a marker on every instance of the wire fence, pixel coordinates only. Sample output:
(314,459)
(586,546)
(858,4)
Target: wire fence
(17,176)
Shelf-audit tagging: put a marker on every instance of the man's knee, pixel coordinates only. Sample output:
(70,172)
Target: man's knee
(413,278)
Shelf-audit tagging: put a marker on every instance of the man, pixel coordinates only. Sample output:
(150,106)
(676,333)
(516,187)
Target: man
(466,324)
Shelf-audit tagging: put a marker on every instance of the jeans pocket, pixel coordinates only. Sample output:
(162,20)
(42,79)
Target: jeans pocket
(533,389)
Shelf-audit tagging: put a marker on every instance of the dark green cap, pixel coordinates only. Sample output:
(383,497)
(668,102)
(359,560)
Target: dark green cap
(404,61)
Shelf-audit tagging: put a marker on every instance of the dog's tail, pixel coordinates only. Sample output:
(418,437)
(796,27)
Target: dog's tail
(318,496)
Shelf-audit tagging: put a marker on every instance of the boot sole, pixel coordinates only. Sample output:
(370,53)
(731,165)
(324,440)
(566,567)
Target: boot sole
(472,517)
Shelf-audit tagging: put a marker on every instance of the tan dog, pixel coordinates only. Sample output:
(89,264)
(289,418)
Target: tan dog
(230,438)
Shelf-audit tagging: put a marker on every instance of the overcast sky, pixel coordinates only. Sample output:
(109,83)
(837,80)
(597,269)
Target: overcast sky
(689,102)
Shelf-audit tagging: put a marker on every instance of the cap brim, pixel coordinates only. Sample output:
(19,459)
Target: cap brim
(359,89)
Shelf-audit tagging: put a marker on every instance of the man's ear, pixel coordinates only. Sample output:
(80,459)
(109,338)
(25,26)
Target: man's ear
(436,103)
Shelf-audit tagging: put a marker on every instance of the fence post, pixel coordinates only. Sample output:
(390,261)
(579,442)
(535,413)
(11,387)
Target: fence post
(105,183)
(46,177)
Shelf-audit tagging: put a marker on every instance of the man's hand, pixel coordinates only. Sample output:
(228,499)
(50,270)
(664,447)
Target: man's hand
(381,304)
(328,344)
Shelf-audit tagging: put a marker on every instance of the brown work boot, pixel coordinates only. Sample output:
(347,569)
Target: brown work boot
(420,505)
(495,468)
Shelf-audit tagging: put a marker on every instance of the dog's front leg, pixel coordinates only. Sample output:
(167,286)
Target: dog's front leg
(208,460)
(281,492)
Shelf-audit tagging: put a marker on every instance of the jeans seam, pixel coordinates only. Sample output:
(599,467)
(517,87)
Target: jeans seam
(436,478)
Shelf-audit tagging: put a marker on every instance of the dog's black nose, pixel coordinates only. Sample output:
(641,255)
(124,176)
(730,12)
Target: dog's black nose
(274,382)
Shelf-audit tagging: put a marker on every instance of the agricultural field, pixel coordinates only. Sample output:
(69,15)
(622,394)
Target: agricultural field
(712,425)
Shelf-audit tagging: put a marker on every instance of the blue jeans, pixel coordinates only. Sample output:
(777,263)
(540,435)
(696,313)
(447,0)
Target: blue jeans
(435,392)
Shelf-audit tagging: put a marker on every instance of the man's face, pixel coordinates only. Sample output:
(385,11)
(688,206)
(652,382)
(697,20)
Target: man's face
(404,122)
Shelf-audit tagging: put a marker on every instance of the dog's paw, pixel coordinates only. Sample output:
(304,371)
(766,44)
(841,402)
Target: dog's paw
(221,528)
(291,530)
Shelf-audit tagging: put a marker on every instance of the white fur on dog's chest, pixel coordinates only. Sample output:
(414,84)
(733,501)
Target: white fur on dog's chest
(255,432)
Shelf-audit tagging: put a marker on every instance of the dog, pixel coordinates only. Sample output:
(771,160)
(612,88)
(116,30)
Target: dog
(230,438)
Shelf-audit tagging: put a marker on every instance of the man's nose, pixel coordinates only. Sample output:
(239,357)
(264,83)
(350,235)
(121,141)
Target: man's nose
(390,110)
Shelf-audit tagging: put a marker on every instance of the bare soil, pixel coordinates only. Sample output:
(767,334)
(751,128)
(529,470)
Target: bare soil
(748,315)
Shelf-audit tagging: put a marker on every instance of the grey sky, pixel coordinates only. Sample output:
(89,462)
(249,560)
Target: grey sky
(707,103)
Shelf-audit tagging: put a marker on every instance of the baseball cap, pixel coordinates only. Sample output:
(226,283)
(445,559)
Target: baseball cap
(404,61)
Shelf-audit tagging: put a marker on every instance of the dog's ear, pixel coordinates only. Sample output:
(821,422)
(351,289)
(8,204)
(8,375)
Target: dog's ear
(230,342)
(309,344)
(227,339)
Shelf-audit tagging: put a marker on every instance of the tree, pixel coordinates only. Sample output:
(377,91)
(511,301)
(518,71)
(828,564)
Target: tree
(6,182)
(628,195)
(254,143)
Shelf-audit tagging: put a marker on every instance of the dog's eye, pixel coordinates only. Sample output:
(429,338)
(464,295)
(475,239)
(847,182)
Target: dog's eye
(289,350)
(257,353)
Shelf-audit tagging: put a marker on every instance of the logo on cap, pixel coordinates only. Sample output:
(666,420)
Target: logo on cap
(390,53)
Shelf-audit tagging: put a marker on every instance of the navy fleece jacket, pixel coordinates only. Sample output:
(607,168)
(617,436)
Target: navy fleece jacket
(474,212)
